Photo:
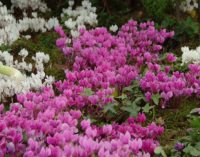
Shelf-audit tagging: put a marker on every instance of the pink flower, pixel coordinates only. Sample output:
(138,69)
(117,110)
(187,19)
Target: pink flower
(85,124)
(1,108)
(29,154)
(61,42)
(60,31)
(141,118)
(10,147)
(136,145)
(91,132)
(107,129)
(75,114)
(148,96)
(125,138)
(171,58)
(147,56)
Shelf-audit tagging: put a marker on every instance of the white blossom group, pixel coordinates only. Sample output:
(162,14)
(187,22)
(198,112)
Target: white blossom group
(31,80)
(11,29)
(190,56)
(80,17)
(189,5)
(33,4)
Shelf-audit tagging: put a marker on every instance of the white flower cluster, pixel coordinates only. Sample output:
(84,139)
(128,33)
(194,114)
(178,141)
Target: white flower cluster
(9,86)
(189,5)
(80,17)
(190,56)
(10,28)
(26,4)
(36,23)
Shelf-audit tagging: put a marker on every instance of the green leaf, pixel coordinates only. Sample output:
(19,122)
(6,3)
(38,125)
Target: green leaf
(188,27)
(139,99)
(128,89)
(131,108)
(131,88)
(168,22)
(195,152)
(147,108)
(25,138)
(195,122)
(156,98)
(197,146)
(87,92)
(159,151)
(123,96)
(92,120)
(110,108)
(192,151)
(187,149)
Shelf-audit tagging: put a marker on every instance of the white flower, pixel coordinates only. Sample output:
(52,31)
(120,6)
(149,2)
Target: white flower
(74,33)
(23,53)
(70,24)
(27,36)
(190,56)
(113,28)
(71,3)
(34,14)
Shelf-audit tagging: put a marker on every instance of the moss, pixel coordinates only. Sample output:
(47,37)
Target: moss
(56,72)
(24,43)
(44,42)
(5,48)
(175,122)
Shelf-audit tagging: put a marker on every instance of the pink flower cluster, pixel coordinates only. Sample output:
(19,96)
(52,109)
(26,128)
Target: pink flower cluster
(114,61)
(104,62)
(175,85)
(43,125)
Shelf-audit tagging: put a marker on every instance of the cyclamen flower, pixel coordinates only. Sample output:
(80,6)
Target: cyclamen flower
(107,129)
(125,138)
(61,42)
(136,145)
(60,31)
(85,124)
(113,28)
(179,146)
(148,96)
(190,56)
(141,118)
(171,57)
